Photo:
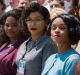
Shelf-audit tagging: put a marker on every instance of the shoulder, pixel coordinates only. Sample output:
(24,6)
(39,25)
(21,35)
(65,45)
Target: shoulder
(24,43)
(21,50)
(73,55)
(48,64)
(70,64)
(72,59)
(50,58)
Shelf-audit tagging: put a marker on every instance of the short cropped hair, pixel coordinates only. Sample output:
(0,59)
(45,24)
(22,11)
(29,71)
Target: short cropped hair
(37,7)
(73,25)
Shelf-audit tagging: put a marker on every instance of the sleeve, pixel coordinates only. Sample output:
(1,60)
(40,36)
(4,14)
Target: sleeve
(70,65)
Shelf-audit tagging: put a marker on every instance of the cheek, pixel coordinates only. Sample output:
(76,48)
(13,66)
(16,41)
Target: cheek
(5,28)
(64,35)
(52,33)
(28,27)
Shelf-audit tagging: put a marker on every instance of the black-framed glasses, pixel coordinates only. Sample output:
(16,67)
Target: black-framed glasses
(36,20)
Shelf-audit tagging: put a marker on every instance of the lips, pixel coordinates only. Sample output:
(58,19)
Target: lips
(33,29)
(56,35)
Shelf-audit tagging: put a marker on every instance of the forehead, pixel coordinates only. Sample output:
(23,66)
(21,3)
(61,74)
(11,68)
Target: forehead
(58,21)
(11,19)
(20,1)
(54,0)
(35,14)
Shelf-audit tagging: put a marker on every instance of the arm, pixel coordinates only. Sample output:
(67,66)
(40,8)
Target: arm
(77,70)
(70,65)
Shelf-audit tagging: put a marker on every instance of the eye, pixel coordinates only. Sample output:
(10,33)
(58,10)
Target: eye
(28,20)
(14,25)
(6,24)
(63,27)
(53,27)
(38,19)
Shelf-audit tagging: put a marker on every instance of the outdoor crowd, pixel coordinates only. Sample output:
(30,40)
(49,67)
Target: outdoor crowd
(39,37)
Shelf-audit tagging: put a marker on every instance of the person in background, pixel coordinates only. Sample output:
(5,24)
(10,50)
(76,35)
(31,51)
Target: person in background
(12,4)
(78,45)
(64,32)
(23,3)
(56,11)
(13,36)
(41,2)
(56,4)
(34,51)
(2,8)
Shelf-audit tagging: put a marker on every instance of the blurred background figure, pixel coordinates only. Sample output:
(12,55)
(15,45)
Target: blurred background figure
(56,11)
(78,46)
(68,6)
(2,11)
(44,3)
(23,3)
(56,4)
(11,4)
(41,2)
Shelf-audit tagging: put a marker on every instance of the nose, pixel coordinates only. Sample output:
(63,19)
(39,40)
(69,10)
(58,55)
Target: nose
(9,27)
(32,23)
(24,5)
(57,30)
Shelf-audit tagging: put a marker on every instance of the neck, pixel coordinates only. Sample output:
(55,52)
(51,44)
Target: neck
(13,40)
(36,37)
(63,47)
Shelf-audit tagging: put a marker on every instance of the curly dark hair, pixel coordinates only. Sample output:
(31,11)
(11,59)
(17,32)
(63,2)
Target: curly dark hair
(37,7)
(73,25)
(17,14)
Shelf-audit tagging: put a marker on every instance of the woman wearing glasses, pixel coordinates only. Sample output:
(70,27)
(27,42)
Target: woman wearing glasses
(34,51)
(65,32)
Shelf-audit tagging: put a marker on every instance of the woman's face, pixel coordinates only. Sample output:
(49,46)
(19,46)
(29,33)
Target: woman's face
(36,23)
(12,27)
(59,31)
